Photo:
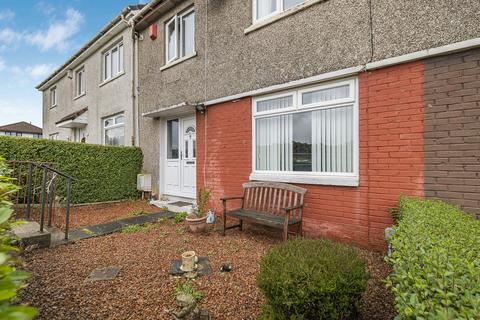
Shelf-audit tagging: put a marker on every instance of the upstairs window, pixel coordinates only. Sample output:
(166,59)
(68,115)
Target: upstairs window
(263,9)
(180,36)
(113,62)
(80,82)
(53,97)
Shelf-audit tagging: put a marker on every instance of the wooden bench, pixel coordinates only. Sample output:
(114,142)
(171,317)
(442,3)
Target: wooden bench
(277,205)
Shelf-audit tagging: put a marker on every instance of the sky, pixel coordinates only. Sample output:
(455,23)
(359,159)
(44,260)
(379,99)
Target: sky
(36,37)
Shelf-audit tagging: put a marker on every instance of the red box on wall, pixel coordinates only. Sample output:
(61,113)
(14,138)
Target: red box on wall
(153,31)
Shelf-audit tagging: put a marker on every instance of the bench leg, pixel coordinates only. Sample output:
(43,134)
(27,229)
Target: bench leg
(224,224)
(285,232)
(241,225)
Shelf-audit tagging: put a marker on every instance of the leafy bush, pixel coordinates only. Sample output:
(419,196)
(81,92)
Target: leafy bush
(312,279)
(102,173)
(436,261)
(11,279)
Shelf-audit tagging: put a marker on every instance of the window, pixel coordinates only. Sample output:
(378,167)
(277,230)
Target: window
(172,139)
(263,9)
(80,82)
(114,130)
(53,136)
(180,36)
(53,97)
(308,135)
(113,62)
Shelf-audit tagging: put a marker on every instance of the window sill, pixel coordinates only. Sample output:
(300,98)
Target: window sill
(265,22)
(347,181)
(111,79)
(79,96)
(52,107)
(175,62)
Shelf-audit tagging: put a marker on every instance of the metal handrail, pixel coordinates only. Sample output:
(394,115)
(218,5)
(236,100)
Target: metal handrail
(45,170)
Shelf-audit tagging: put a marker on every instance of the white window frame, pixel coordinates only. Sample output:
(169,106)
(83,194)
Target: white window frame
(280,9)
(53,136)
(119,47)
(53,97)
(320,178)
(179,50)
(113,126)
(80,85)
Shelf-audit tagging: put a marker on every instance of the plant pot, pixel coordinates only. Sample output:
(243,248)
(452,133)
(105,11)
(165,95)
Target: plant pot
(195,224)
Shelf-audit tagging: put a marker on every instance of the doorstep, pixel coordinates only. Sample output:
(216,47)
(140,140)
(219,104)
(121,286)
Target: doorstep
(175,204)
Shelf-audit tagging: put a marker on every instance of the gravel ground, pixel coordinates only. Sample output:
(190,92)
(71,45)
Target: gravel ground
(86,215)
(143,288)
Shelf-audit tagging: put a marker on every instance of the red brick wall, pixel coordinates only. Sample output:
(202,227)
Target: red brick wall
(229,148)
(391,157)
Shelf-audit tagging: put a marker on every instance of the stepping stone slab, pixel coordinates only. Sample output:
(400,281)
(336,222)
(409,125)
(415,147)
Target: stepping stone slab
(102,274)
(203,263)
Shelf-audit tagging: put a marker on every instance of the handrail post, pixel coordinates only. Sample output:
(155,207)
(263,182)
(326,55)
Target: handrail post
(29,190)
(67,216)
(44,191)
(51,198)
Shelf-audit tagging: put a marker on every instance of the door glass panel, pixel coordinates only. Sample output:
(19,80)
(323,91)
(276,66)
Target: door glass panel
(194,148)
(186,149)
(172,139)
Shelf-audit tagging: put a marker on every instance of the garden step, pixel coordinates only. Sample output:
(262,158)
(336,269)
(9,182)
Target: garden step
(174,205)
(29,234)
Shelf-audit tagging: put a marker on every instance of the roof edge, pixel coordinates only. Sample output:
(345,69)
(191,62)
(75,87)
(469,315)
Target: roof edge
(92,41)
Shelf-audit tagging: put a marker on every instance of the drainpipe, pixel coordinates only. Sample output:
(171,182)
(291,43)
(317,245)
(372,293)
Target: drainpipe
(133,81)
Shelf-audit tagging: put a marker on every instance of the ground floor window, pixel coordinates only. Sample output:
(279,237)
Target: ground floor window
(307,131)
(114,130)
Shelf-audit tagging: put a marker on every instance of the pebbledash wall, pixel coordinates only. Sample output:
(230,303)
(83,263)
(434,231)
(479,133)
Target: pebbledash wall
(452,129)
(391,157)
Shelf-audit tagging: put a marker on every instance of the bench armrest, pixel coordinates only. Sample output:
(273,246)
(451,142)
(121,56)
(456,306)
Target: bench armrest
(231,198)
(288,209)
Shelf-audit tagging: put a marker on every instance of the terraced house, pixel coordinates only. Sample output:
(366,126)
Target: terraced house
(90,98)
(357,101)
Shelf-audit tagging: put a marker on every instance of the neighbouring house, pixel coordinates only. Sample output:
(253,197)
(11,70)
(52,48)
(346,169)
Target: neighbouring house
(91,97)
(21,129)
(357,101)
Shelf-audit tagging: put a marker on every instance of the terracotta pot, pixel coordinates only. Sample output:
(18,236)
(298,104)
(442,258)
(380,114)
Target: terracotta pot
(195,224)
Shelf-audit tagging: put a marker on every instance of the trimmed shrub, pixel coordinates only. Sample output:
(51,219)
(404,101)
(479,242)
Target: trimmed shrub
(102,173)
(312,279)
(11,279)
(436,261)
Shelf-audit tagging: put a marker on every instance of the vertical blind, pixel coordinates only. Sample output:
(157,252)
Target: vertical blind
(317,140)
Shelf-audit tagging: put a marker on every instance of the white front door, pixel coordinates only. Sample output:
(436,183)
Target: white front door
(180,171)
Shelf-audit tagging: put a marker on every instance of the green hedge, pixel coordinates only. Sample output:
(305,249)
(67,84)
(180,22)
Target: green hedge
(436,261)
(11,279)
(312,279)
(102,173)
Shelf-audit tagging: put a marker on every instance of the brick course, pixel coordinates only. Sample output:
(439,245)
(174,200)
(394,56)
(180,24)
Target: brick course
(452,129)
(391,157)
